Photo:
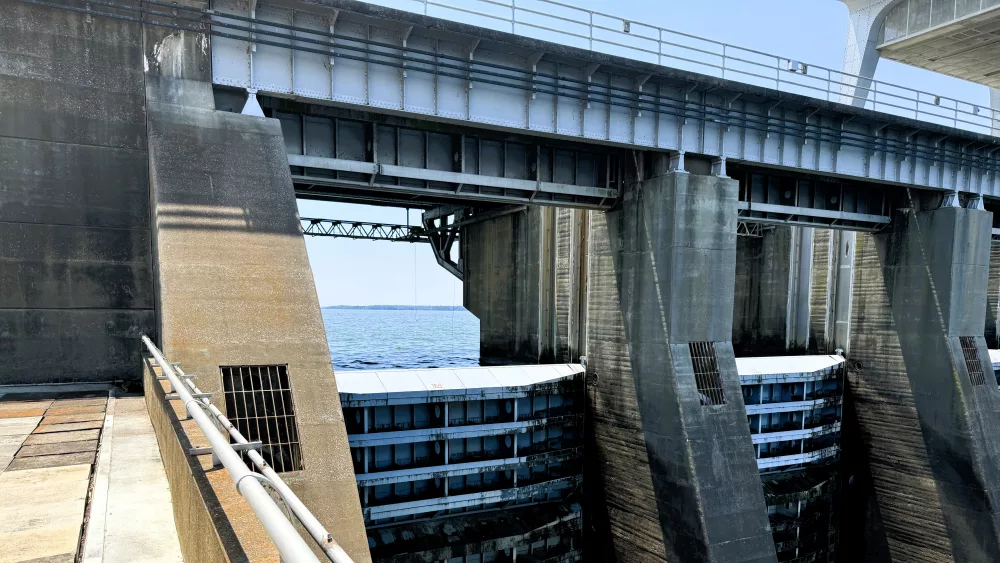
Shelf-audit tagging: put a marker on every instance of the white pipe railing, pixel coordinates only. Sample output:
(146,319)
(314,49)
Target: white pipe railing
(597,31)
(286,538)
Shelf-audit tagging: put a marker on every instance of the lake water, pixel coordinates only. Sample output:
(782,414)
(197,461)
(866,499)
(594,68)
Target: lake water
(384,339)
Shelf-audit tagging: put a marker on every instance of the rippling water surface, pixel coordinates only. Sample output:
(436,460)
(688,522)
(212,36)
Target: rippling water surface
(384,339)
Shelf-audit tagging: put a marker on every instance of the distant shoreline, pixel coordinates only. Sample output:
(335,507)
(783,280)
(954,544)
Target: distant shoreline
(399,307)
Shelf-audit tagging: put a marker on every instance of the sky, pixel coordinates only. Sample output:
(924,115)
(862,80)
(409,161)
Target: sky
(350,272)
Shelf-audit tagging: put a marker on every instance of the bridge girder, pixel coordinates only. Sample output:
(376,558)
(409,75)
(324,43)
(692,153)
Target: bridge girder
(501,83)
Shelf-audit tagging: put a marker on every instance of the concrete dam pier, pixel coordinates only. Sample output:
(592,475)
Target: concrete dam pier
(722,319)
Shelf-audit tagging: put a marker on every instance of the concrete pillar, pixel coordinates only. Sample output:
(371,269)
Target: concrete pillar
(860,53)
(772,308)
(525,278)
(799,276)
(995,111)
(830,292)
(668,478)
(924,446)
(992,333)
(760,312)
(234,283)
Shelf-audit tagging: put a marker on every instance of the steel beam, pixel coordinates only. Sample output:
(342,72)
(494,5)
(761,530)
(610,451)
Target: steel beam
(359,230)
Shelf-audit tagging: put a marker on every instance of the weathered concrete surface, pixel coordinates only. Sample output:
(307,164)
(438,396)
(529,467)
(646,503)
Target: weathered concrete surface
(922,443)
(41,512)
(235,286)
(572,232)
(760,315)
(506,284)
(992,335)
(196,505)
(819,290)
(130,517)
(525,278)
(75,263)
(667,478)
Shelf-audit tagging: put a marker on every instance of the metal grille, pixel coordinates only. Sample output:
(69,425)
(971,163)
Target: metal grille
(259,403)
(972,361)
(706,373)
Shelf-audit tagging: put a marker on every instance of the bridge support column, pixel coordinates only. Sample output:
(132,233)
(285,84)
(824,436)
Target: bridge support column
(860,53)
(772,310)
(992,333)
(671,470)
(525,278)
(236,299)
(832,279)
(921,395)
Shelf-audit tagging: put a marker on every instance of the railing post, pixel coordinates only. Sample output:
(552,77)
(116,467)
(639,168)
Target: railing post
(659,49)
(590,29)
(724,56)
(513,14)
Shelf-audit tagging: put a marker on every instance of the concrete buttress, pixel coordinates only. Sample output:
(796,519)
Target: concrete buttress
(921,450)
(236,291)
(668,477)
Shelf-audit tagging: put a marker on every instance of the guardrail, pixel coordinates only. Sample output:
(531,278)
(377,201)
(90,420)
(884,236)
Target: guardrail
(596,31)
(282,532)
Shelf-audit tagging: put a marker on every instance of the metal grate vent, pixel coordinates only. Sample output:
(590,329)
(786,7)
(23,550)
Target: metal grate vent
(972,361)
(706,373)
(259,403)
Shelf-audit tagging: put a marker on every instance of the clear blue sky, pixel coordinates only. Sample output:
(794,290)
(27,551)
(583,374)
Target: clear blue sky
(352,272)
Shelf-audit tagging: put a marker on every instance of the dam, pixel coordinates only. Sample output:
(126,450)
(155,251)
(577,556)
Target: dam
(733,306)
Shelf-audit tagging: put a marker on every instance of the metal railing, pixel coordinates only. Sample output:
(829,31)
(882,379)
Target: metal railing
(290,544)
(550,20)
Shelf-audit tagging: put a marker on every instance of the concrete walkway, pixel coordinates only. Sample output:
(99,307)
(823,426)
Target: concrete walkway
(55,448)
(131,515)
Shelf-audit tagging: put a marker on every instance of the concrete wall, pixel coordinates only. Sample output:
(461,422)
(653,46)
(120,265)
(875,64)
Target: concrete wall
(667,478)
(819,290)
(75,264)
(991,334)
(923,432)
(525,278)
(760,314)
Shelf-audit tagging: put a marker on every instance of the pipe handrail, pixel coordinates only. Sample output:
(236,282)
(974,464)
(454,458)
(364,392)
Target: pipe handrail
(323,538)
(291,546)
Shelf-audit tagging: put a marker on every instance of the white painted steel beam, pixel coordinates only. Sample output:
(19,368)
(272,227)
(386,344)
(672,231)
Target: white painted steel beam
(462,501)
(576,101)
(771,437)
(468,468)
(792,406)
(453,432)
(786,460)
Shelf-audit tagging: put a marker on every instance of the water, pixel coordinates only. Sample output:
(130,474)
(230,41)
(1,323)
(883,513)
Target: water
(384,339)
